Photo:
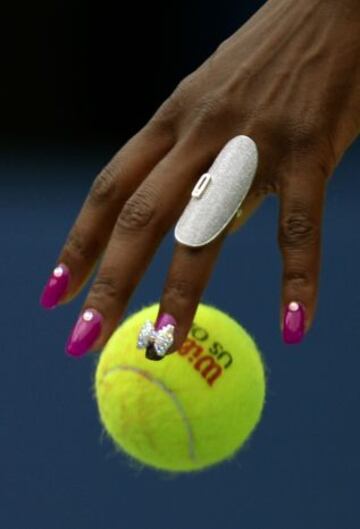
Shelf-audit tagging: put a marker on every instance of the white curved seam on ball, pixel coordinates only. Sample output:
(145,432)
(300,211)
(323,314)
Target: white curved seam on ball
(170,394)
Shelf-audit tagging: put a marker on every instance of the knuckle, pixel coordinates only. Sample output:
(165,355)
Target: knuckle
(103,187)
(306,136)
(184,86)
(137,212)
(105,287)
(75,246)
(179,290)
(164,118)
(173,107)
(297,278)
(302,138)
(208,110)
(223,46)
(297,229)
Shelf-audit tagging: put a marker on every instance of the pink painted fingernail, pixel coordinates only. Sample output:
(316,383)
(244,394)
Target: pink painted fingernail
(294,323)
(55,287)
(164,319)
(86,331)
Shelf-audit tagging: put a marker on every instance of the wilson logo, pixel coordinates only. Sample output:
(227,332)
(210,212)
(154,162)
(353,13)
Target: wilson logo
(210,361)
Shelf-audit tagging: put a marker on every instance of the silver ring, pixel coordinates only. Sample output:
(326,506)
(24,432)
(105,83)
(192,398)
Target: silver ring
(219,193)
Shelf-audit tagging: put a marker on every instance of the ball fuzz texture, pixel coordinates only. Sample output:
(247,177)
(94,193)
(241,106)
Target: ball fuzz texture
(190,410)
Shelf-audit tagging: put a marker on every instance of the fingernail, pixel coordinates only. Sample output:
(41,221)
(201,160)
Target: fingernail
(55,287)
(220,191)
(86,331)
(159,338)
(294,323)
(164,319)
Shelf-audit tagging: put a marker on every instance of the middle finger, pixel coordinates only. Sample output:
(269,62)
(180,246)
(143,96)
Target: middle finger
(139,229)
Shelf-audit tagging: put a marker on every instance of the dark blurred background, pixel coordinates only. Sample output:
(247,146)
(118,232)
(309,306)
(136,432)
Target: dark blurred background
(81,71)
(77,80)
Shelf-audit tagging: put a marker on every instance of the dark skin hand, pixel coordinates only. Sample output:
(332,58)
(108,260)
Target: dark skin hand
(290,79)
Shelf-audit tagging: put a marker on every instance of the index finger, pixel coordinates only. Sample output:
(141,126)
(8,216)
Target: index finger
(91,230)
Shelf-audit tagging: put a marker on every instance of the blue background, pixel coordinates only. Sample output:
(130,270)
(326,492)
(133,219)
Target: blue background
(300,468)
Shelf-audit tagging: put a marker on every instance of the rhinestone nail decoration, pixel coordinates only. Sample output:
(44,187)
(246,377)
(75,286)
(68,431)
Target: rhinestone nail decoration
(293,306)
(58,271)
(161,339)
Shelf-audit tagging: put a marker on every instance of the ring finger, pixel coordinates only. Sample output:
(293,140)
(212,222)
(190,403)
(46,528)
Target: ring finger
(201,231)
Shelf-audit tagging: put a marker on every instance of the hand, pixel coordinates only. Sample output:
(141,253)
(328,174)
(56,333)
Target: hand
(289,78)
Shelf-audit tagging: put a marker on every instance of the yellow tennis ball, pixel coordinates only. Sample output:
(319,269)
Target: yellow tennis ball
(192,409)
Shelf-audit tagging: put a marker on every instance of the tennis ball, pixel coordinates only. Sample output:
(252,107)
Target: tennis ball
(190,410)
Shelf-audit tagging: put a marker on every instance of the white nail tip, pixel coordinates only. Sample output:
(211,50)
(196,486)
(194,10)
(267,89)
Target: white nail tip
(219,193)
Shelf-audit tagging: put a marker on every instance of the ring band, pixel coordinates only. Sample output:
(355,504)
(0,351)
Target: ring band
(219,193)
